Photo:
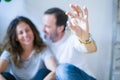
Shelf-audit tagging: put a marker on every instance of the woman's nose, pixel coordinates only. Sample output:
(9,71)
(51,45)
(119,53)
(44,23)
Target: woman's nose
(25,34)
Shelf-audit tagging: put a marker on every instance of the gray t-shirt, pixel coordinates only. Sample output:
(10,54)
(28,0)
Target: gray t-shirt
(30,66)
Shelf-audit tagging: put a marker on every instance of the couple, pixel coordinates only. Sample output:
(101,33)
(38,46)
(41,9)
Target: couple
(27,55)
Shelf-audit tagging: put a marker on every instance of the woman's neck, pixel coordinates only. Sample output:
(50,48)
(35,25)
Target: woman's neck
(27,51)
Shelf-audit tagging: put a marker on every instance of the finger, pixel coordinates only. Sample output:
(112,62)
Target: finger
(73,7)
(87,27)
(70,15)
(86,17)
(77,9)
(85,12)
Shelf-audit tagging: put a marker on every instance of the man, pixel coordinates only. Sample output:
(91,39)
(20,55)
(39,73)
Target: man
(68,43)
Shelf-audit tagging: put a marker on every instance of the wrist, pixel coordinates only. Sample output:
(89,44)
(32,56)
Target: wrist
(86,41)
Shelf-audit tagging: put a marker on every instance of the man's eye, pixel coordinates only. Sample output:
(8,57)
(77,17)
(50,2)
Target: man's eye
(48,26)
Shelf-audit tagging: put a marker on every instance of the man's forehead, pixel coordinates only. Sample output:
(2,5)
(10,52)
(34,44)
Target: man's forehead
(47,18)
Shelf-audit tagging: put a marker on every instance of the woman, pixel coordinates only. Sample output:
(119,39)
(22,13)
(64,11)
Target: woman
(25,53)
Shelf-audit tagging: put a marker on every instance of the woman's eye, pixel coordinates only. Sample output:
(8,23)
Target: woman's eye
(20,32)
(27,30)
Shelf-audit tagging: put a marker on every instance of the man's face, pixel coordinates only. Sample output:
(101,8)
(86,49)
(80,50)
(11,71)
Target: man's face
(49,27)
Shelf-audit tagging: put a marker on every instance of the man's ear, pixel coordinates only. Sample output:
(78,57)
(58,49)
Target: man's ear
(60,28)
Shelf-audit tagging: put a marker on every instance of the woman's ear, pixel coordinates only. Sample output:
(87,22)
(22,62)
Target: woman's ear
(60,29)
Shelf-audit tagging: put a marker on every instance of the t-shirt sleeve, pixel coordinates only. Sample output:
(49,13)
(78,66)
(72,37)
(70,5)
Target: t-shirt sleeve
(47,53)
(5,56)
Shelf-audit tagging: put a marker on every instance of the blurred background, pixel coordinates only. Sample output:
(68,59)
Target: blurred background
(103,21)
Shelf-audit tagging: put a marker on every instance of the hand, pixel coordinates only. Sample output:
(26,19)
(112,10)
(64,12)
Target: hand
(50,76)
(79,21)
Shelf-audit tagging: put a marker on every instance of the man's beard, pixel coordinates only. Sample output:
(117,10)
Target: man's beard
(52,37)
(47,38)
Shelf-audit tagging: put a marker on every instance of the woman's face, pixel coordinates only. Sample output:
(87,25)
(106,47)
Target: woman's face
(24,34)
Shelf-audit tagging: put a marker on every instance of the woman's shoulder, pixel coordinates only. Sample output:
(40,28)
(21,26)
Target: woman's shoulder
(5,52)
(5,55)
(46,53)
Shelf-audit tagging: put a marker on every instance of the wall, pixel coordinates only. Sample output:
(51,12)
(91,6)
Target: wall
(9,10)
(100,21)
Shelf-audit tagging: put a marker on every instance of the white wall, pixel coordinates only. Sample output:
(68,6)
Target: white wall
(9,10)
(100,20)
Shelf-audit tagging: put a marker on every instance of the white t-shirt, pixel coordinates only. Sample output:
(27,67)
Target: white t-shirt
(30,66)
(70,50)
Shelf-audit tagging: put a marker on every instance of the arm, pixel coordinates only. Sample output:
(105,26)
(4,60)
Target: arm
(4,62)
(3,66)
(79,25)
(51,65)
(91,47)
(1,77)
(50,76)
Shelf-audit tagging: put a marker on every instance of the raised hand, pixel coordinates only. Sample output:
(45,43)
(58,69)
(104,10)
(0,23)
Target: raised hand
(79,21)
